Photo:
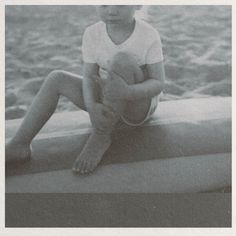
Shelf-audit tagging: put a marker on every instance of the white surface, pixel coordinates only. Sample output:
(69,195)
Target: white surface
(168,112)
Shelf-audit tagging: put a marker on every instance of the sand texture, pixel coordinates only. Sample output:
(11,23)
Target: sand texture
(39,39)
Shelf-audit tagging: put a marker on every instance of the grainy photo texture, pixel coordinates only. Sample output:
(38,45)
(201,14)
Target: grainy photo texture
(118,116)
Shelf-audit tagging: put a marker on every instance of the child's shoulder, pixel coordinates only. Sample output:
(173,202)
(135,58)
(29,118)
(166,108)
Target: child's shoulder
(95,27)
(146,28)
(151,34)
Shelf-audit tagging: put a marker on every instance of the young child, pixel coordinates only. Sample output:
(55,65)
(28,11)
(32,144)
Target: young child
(129,51)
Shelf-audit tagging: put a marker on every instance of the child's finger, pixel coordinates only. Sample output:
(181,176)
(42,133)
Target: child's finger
(109,114)
(107,109)
(102,82)
(115,76)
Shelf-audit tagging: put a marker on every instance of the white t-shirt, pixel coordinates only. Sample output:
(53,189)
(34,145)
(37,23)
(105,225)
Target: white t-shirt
(144,43)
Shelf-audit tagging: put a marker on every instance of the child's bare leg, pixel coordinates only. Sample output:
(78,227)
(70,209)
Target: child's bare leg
(127,67)
(94,149)
(92,153)
(57,83)
(97,144)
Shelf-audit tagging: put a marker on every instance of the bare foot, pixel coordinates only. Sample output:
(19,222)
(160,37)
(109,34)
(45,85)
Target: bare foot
(92,153)
(15,152)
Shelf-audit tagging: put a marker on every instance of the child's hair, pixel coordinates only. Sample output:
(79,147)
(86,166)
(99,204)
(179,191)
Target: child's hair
(141,12)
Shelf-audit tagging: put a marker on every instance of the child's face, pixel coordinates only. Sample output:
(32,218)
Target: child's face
(117,14)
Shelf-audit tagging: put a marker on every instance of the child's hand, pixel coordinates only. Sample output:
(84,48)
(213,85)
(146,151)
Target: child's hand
(101,116)
(115,88)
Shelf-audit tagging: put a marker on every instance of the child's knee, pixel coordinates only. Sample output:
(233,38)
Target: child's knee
(124,59)
(125,65)
(55,78)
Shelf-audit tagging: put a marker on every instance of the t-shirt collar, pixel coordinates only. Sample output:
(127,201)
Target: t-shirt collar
(123,43)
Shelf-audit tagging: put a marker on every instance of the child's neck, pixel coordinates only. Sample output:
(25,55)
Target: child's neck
(120,32)
(125,26)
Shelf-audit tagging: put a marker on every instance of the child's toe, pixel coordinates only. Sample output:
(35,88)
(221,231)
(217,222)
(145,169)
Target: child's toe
(75,170)
(90,167)
(81,167)
(93,167)
(77,166)
(86,167)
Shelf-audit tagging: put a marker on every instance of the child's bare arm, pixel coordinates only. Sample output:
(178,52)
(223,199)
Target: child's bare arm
(99,114)
(150,87)
(90,71)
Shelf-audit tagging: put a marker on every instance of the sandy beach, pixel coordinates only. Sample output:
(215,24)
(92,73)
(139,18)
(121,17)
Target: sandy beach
(39,39)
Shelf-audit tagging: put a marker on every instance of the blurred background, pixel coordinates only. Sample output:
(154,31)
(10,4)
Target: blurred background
(196,45)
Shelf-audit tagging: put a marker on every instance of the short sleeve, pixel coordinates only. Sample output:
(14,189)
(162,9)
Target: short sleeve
(154,53)
(88,47)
